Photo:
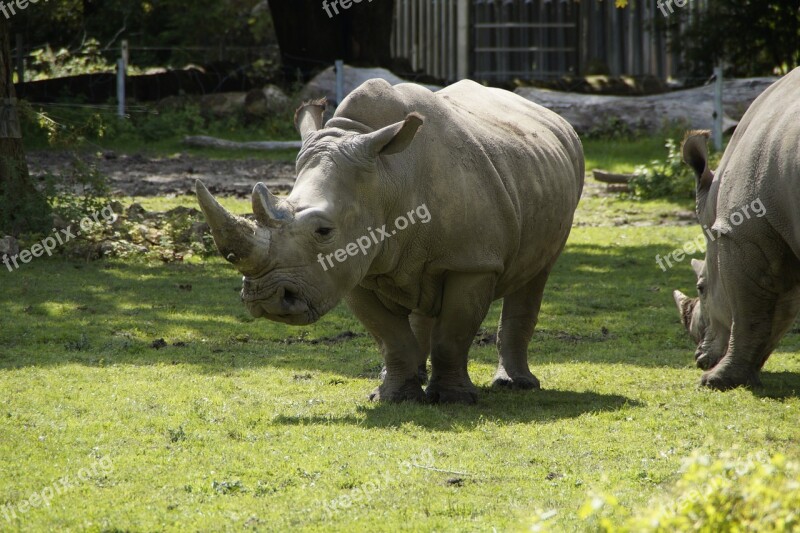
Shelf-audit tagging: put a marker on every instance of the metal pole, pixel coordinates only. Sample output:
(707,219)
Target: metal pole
(718,109)
(339,81)
(462,62)
(121,87)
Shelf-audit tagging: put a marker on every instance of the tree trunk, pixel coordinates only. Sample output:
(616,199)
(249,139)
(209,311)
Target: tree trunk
(311,40)
(22,207)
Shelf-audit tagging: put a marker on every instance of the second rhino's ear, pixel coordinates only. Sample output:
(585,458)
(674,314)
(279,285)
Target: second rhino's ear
(695,154)
(394,138)
(685,307)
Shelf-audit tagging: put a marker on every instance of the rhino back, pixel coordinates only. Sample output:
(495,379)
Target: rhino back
(762,163)
(501,177)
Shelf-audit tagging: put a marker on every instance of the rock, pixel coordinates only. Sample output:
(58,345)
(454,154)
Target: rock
(9,246)
(135,212)
(324,83)
(270,100)
(222,105)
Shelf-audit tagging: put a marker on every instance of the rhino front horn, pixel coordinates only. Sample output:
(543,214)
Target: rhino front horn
(238,239)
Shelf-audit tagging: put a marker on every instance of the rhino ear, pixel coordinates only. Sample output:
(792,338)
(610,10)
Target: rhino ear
(308,117)
(697,266)
(394,138)
(695,154)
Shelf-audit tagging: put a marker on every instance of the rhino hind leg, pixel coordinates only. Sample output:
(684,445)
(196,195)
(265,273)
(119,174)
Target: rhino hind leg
(517,322)
(465,302)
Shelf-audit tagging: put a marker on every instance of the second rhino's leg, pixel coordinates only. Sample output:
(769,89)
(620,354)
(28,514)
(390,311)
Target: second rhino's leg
(517,322)
(422,326)
(401,352)
(465,301)
(754,290)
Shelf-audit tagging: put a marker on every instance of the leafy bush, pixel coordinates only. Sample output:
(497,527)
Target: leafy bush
(719,495)
(667,178)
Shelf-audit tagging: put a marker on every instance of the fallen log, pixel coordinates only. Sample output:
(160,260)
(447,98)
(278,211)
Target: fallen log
(202,141)
(691,108)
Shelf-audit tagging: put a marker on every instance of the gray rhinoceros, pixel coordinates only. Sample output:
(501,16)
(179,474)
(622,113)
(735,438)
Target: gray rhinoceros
(499,178)
(749,283)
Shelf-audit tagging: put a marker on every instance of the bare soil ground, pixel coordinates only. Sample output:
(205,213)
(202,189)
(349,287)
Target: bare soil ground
(140,175)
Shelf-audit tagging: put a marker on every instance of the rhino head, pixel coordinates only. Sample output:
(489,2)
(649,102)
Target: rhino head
(336,197)
(706,318)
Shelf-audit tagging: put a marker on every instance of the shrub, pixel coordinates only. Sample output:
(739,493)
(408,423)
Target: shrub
(667,178)
(719,495)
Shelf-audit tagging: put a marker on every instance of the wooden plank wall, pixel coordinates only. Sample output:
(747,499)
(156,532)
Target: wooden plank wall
(538,39)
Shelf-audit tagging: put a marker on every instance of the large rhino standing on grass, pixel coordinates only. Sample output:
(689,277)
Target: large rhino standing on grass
(749,283)
(499,178)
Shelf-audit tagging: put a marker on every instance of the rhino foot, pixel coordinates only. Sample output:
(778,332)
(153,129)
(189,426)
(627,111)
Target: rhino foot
(523,381)
(439,392)
(422,374)
(720,380)
(408,391)
(706,361)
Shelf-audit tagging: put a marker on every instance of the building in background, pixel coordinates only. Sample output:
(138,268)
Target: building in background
(502,40)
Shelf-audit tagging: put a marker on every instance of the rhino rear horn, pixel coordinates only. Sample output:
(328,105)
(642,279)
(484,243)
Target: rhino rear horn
(308,117)
(695,154)
(267,208)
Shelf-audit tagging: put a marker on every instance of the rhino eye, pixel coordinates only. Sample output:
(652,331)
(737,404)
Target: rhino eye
(324,232)
(701,289)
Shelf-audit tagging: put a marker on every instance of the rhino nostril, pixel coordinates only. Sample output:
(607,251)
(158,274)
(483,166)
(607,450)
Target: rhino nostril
(289,297)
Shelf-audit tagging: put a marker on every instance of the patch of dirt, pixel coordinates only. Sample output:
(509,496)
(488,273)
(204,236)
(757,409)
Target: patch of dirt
(140,175)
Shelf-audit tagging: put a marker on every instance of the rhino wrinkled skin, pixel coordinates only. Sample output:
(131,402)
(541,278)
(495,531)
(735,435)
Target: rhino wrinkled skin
(501,178)
(749,283)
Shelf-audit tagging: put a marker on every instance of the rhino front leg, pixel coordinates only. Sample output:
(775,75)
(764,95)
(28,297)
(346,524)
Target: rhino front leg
(422,326)
(754,292)
(518,320)
(401,351)
(465,300)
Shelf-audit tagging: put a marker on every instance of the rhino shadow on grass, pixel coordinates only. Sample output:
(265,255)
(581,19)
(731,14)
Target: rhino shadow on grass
(549,406)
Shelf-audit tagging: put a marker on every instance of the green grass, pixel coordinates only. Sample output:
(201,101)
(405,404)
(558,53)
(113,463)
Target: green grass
(251,424)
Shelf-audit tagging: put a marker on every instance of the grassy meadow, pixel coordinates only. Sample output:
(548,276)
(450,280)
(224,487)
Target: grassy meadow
(137,396)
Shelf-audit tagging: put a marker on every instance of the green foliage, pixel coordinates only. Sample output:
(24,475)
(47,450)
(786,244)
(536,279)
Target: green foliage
(175,32)
(752,38)
(46,63)
(664,178)
(667,178)
(727,494)
(613,129)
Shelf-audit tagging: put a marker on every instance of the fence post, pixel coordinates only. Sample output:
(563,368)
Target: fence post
(125,54)
(718,109)
(339,81)
(121,87)
(462,62)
